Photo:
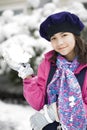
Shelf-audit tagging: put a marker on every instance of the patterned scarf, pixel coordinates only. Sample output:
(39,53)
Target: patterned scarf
(65,90)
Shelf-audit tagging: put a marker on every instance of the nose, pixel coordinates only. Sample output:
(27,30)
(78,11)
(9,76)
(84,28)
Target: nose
(60,41)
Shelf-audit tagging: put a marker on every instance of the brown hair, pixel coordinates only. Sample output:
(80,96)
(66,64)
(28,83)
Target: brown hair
(80,51)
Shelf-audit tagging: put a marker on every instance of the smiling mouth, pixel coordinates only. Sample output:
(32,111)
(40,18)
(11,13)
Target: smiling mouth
(62,48)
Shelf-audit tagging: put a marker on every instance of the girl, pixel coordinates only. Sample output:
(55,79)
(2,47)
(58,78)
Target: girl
(62,75)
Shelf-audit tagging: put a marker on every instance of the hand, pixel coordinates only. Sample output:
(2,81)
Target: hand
(42,118)
(16,58)
(38,121)
(23,69)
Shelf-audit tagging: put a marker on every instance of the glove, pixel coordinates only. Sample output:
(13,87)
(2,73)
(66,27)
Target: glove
(23,69)
(42,118)
(17,59)
(38,121)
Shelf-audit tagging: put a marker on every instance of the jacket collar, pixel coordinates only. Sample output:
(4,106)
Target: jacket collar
(81,66)
(49,54)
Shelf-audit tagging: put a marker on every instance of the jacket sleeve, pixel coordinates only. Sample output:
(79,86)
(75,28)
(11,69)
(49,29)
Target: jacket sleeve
(84,93)
(34,88)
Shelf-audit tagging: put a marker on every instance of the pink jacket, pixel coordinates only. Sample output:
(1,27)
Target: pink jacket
(35,88)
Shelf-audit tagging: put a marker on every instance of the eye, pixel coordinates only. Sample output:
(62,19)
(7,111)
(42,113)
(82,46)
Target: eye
(64,35)
(53,38)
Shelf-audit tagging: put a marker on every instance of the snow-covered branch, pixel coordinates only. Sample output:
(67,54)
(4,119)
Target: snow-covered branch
(23,29)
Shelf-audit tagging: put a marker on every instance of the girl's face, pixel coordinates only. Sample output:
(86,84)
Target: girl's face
(64,43)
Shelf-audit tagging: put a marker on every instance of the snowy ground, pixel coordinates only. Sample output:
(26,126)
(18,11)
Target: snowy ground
(15,117)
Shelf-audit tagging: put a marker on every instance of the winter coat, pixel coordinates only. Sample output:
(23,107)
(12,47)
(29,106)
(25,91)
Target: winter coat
(34,88)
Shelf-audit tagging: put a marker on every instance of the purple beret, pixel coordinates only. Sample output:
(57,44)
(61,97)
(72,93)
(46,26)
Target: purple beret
(60,22)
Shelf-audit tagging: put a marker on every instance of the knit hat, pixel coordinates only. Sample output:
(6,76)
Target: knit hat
(60,22)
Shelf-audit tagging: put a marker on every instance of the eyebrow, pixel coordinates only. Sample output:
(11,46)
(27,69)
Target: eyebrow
(60,33)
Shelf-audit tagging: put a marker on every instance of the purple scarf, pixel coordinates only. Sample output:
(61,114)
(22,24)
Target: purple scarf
(65,90)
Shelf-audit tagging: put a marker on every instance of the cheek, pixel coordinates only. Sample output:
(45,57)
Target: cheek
(53,45)
(71,43)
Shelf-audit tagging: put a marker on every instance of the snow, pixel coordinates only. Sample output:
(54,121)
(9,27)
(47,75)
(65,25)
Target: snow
(9,47)
(34,4)
(15,117)
(24,27)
